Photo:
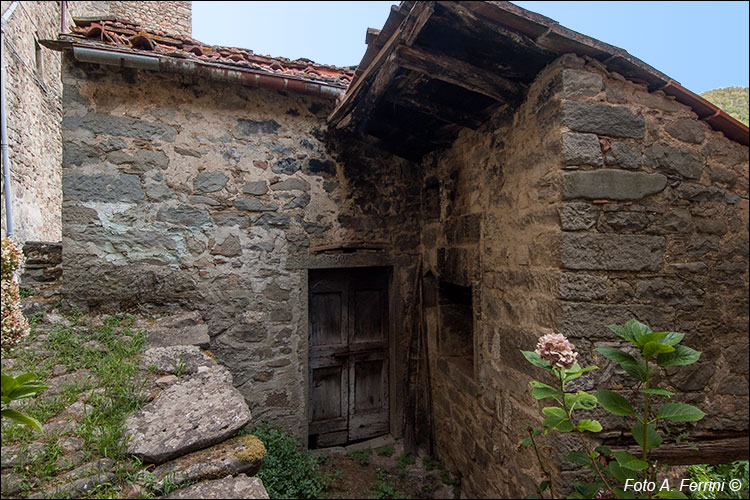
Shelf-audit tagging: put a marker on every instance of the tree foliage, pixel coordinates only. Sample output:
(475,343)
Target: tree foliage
(732,100)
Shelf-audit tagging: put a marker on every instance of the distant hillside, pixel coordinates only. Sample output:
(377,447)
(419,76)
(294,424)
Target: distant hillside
(733,100)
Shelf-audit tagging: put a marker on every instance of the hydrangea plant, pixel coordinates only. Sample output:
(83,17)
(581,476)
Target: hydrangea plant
(647,406)
(14,324)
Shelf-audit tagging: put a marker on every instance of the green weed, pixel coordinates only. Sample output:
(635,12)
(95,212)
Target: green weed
(385,451)
(720,474)
(362,457)
(429,463)
(403,461)
(288,471)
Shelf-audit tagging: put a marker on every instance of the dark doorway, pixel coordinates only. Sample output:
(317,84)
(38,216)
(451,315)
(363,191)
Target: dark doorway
(348,346)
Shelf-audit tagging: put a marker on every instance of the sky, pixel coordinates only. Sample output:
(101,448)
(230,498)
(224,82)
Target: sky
(702,45)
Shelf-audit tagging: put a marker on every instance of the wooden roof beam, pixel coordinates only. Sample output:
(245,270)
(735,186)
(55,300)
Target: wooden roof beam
(459,73)
(373,81)
(442,112)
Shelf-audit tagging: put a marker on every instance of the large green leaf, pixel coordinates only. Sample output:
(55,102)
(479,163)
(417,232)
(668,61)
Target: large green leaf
(672,338)
(543,391)
(621,493)
(628,461)
(670,494)
(614,403)
(27,390)
(650,337)
(556,419)
(581,399)
(617,355)
(637,330)
(620,473)
(637,371)
(680,356)
(680,412)
(536,360)
(8,384)
(653,438)
(588,425)
(625,334)
(651,348)
(576,371)
(578,457)
(588,490)
(20,417)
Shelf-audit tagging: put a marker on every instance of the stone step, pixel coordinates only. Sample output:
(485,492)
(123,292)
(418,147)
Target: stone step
(182,359)
(81,480)
(188,415)
(239,455)
(180,329)
(230,487)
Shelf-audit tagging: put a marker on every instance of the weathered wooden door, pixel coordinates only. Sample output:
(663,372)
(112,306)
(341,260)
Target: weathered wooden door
(348,345)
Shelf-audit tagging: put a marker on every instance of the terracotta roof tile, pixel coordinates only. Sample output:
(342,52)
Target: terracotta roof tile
(122,33)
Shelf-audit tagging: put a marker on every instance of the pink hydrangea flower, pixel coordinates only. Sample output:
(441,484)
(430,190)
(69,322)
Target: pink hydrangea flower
(556,349)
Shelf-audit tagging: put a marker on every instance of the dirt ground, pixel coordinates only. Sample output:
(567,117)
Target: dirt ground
(370,473)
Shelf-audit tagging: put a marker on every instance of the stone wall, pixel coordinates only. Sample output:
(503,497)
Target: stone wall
(182,193)
(171,17)
(599,202)
(33,101)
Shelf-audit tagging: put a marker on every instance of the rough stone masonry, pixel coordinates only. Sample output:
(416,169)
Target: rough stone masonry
(187,194)
(598,202)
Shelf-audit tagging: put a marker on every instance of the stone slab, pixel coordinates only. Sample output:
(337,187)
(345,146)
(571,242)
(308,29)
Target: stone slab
(611,184)
(230,487)
(239,455)
(194,413)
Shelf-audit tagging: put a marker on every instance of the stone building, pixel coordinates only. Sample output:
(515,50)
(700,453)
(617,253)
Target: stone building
(33,89)
(370,249)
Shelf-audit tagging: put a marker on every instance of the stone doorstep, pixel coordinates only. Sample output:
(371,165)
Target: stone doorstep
(374,443)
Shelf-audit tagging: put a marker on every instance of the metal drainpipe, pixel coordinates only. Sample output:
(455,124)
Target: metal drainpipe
(4,127)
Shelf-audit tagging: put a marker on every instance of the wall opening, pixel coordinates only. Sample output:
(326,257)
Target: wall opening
(456,333)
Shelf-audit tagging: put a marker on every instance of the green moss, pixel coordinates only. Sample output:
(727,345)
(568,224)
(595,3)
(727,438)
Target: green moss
(253,450)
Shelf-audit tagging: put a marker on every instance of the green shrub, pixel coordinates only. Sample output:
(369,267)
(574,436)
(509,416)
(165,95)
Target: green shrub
(721,474)
(288,471)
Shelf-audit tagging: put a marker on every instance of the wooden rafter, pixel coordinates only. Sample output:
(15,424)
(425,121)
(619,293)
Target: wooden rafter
(459,73)
(442,112)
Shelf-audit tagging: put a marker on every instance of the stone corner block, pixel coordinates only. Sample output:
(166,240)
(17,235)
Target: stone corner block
(612,252)
(577,83)
(581,149)
(603,119)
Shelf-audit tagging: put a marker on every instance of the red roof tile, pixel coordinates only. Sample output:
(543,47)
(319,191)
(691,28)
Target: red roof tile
(121,33)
